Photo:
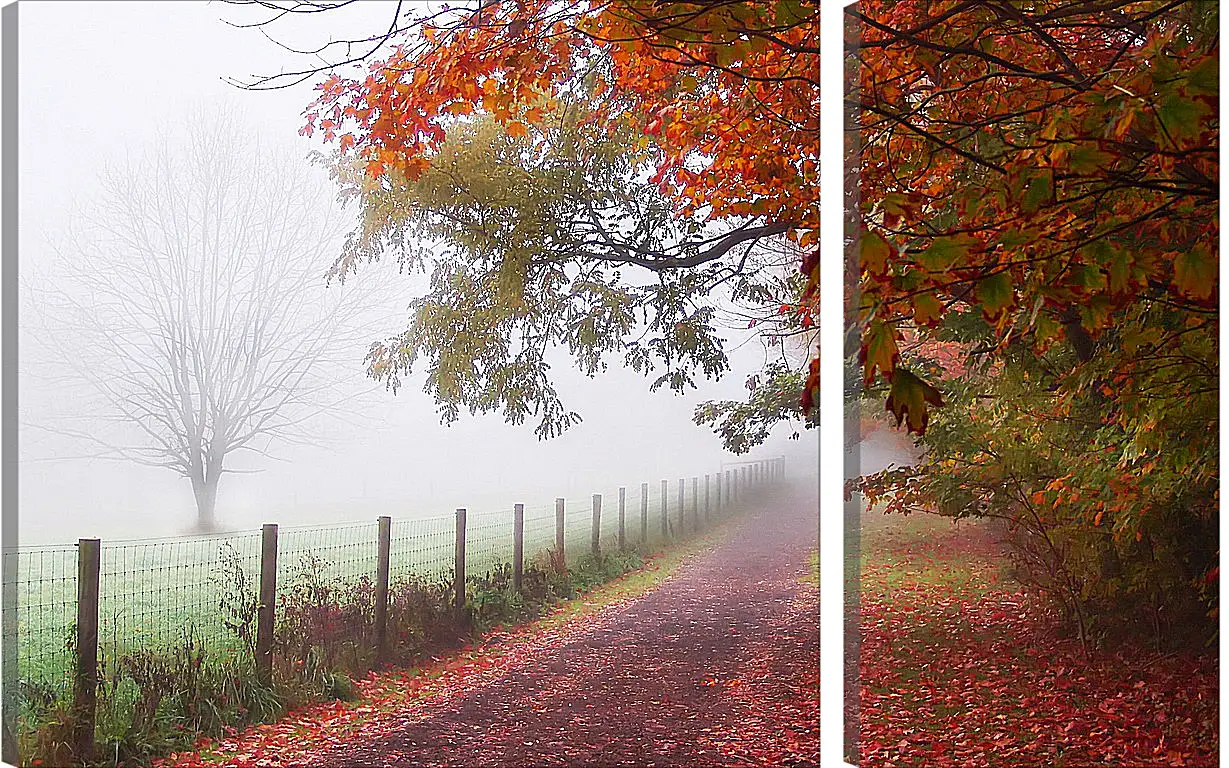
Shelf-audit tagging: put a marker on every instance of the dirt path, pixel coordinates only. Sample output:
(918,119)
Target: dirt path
(718,666)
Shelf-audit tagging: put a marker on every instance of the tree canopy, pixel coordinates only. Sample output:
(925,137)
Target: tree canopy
(607,139)
(547,240)
(1053,167)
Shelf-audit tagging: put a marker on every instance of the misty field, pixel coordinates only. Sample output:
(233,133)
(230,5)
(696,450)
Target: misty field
(155,593)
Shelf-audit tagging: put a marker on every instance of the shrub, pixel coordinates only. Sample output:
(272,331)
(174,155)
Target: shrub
(324,624)
(419,617)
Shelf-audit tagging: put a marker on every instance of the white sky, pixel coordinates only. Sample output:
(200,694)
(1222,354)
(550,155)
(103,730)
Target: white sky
(97,78)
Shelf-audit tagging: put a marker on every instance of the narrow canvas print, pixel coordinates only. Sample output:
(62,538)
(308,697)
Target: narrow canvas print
(1034,314)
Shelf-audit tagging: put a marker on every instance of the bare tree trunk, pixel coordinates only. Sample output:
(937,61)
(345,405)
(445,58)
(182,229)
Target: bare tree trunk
(206,492)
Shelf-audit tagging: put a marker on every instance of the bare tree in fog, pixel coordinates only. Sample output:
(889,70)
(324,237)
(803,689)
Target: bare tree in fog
(197,308)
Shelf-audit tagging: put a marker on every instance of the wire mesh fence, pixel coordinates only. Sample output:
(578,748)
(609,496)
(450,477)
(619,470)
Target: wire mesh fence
(488,541)
(422,547)
(610,518)
(345,552)
(46,591)
(577,527)
(539,534)
(154,593)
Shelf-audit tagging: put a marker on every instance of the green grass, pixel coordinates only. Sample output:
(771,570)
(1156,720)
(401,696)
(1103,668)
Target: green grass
(906,551)
(812,574)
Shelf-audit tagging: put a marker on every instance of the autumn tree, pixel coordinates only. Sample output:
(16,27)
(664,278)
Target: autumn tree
(1054,168)
(660,138)
(190,299)
(1040,185)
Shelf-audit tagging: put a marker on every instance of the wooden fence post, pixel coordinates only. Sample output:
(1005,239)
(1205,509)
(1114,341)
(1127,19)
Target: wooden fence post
(268,602)
(458,575)
(622,518)
(518,545)
(665,517)
(729,490)
(85,688)
(695,503)
(562,565)
(384,549)
(682,512)
(644,514)
(708,501)
(596,546)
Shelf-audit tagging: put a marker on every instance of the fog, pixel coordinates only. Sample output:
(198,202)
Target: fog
(97,83)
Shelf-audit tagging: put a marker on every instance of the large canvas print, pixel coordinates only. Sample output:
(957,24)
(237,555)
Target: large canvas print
(410,383)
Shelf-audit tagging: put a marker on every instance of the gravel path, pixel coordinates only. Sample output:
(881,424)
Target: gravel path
(717,666)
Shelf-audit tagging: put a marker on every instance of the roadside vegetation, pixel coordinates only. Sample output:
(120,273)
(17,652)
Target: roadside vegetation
(180,696)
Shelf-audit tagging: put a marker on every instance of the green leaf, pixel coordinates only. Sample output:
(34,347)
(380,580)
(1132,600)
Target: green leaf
(1095,312)
(908,398)
(1014,238)
(1046,328)
(1120,271)
(726,55)
(1087,159)
(1195,273)
(926,309)
(1098,252)
(1037,193)
(1092,279)
(995,294)
(1181,116)
(790,12)
(1203,79)
(944,252)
